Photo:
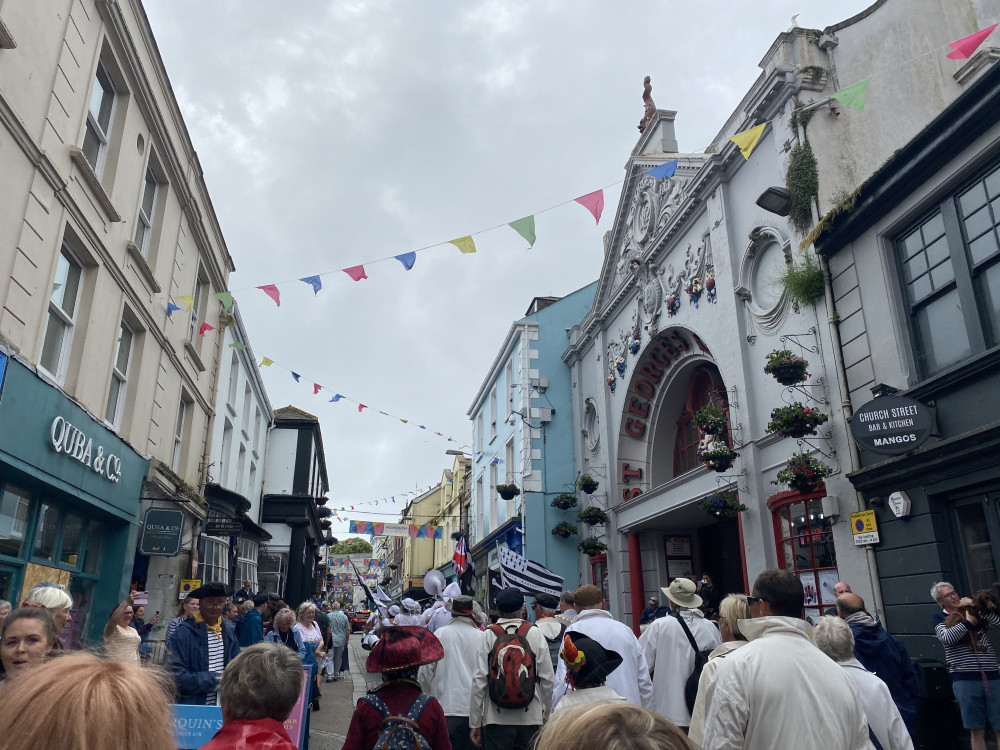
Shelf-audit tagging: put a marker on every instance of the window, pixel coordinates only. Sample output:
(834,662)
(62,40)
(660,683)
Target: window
(493,413)
(63,305)
(252,482)
(234,380)
(805,547)
(481,499)
(175,460)
(99,117)
(491,501)
(271,571)
(47,533)
(704,387)
(950,263)
(246,412)
(15,507)
(479,431)
(246,563)
(240,465)
(213,558)
(119,376)
(599,574)
(227,450)
(509,468)
(147,208)
(256,429)
(197,310)
(509,385)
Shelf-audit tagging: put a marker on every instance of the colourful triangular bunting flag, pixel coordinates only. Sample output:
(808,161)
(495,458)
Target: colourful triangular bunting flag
(747,140)
(361,407)
(465,244)
(296,376)
(664,170)
(317,388)
(272,291)
(407,259)
(171,308)
(205,328)
(526,228)
(356,272)
(593,202)
(187,301)
(238,345)
(226,298)
(265,362)
(964,47)
(853,96)
(314,282)
(336,398)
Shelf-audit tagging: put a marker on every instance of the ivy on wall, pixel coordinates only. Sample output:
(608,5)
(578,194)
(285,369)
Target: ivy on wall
(802,183)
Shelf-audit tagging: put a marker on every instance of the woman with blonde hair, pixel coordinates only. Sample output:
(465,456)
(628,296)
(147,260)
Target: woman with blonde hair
(732,609)
(54,598)
(81,702)
(121,641)
(611,726)
(312,640)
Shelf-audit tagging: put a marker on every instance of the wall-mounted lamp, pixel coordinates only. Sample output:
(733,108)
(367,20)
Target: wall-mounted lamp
(776,200)
(881,389)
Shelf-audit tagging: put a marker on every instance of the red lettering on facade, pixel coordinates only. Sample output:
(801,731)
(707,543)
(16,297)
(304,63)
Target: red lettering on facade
(645,389)
(628,473)
(635,406)
(651,372)
(635,428)
(630,493)
(657,357)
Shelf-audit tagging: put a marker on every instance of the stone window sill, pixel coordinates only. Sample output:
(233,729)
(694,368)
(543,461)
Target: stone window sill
(142,266)
(94,182)
(193,354)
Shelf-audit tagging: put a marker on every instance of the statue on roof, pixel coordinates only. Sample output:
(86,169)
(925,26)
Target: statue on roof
(650,108)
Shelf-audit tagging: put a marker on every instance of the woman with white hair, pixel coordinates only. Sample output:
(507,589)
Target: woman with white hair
(54,598)
(312,640)
(834,638)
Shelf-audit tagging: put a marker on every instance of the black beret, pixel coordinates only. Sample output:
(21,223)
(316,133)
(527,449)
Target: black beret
(260,599)
(510,600)
(212,588)
(547,600)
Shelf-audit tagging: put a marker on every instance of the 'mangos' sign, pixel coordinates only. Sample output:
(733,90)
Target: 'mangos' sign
(891,425)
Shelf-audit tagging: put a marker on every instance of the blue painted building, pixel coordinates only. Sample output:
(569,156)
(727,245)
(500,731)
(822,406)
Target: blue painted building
(522,421)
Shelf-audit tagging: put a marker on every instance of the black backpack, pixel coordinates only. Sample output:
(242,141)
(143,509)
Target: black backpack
(400,732)
(700,658)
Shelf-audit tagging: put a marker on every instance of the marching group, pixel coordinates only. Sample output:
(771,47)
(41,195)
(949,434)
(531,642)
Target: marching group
(753,675)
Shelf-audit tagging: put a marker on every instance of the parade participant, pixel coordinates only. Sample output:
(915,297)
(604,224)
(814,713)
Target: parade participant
(833,637)
(450,679)
(732,609)
(489,722)
(257,692)
(252,629)
(390,618)
(439,613)
(588,665)
(972,663)
(411,614)
(762,691)
(398,655)
(631,679)
(312,639)
(545,609)
(666,644)
(27,638)
(54,598)
(188,608)
(201,647)
(611,726)
(285,634)
(121,642)
(567,606)
(340,635)
(81,702)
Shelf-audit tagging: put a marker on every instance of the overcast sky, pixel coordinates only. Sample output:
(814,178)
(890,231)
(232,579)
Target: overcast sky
(332,134)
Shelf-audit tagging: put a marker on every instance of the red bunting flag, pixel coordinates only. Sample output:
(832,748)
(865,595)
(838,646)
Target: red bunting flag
(964,47)
(356,272)
(205,327)
(272,291)
(593,202)
(316,388)
(361,407)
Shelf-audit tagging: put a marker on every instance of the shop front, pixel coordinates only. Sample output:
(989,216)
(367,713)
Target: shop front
(69,501)
(486,559)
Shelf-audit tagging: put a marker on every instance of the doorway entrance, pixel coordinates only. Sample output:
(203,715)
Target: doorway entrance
(721,557)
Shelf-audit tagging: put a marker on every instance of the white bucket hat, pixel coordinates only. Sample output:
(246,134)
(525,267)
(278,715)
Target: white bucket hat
(682,592)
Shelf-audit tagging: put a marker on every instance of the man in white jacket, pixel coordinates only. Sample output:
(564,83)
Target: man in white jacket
(450,679)
(669,653)
(779,690)
(631,679)
(834,638)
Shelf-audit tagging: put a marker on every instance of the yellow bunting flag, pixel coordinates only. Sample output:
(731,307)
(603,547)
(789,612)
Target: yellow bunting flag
(265,362)
(188,301)
(747,140)
(465,244)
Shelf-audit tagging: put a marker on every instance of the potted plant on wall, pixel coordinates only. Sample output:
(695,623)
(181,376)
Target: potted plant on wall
(508,491)
(803,473)
(796,420)
(592,547)
(587,483)
(563,529)
(564,501)
(719,457)
(787,368)
(722,504)
(592,515)
(710,419)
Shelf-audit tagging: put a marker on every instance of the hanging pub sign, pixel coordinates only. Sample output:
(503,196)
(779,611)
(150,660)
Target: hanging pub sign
(891,425)
(161,532)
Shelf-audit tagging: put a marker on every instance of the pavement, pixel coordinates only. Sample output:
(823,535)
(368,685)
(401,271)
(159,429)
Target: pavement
(328,726)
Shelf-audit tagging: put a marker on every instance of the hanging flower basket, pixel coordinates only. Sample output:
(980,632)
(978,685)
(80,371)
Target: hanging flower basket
(787,368)
(796,420)
(508,491)
(563,529)
(722,504)
(710,420)
(591,547)
(587,484)
(803,473)
(719,458)
(593,516)
(564,501)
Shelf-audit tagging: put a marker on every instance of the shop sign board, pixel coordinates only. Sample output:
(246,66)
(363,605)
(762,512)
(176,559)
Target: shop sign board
(891,425)
(223,527)
(864,528)
(161,532)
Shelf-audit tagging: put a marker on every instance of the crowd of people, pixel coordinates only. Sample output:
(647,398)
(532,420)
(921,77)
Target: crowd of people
(748,672)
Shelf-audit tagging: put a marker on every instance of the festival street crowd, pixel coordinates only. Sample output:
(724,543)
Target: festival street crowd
(744,672)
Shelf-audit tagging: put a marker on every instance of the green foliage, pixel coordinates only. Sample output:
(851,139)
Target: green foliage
(592,547)
(564,501)
(563,529)
(593,515)
(353,546)
(803,281)
(802,183)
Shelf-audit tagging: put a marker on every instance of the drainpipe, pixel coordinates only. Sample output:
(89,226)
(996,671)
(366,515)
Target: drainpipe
(635,580)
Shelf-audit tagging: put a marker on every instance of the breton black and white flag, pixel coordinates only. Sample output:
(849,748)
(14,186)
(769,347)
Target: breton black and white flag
(528,576)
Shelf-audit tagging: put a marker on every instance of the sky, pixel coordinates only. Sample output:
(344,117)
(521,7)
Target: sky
(333,134)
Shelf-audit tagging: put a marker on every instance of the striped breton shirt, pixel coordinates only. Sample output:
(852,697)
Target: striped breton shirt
(964,661)
(216,660)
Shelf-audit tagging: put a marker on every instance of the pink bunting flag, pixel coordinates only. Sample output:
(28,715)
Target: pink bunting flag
(964,47)
(361,407)
(316,388)
(205,327)
(356,272)
(272,291)
(593,202)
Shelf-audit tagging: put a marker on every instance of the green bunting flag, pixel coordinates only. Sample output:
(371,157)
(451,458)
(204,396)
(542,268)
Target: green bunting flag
(853,96)
(226,299)
(238,345)
(526,228)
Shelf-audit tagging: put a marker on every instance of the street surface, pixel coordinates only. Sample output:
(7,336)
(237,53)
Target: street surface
(328,726)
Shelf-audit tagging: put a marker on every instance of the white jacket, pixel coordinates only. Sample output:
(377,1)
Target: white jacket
(631,679)
(696,731)
(483,711)
(883,716)
(450,680)
(670,658)
(600,694)
(780,691)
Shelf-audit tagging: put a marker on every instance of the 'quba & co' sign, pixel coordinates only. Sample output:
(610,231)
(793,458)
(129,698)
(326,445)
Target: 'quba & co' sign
(891,425)
(74,443)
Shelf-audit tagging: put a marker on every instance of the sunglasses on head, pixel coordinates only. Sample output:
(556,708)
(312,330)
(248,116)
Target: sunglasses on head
(751,600)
